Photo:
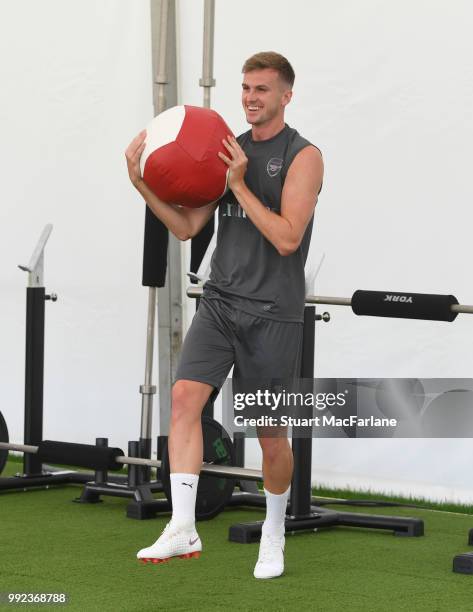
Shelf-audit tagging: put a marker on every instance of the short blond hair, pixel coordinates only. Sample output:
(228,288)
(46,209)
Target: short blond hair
(271,59)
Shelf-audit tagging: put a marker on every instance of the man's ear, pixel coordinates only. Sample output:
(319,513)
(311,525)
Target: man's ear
(287,96)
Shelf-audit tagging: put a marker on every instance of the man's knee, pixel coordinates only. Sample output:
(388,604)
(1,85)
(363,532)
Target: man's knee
(274,447)
(188,399)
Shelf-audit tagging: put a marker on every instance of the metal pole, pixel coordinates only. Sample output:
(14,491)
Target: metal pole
(34,350)
(35,266)
(462,308)
(334,301)
(147,390)
(300,497)
(161,77)
(196,292)
(163,16)
(34,374)
(222,471)
(207,81)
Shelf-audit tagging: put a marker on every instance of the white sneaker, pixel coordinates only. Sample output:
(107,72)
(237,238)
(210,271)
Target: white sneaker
(176,541)
(270,562)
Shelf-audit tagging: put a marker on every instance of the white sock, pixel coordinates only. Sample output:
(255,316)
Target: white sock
(184,493)
(275,511)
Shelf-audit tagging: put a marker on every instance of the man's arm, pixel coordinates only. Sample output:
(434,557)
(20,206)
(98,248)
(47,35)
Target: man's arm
(184,223)
(299,197)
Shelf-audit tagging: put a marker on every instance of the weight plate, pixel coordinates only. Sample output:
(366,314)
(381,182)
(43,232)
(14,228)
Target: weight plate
(3,438)
(213,493)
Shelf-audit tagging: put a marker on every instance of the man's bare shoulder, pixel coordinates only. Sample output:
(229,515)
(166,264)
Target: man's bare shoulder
(308,156)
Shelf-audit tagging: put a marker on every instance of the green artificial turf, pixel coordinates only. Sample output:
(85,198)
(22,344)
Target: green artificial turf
(88,551)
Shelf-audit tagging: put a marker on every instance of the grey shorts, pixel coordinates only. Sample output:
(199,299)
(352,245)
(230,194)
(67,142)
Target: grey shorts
(222,335)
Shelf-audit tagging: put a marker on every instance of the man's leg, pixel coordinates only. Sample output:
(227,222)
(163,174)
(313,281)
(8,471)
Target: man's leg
(278,461)
(180,538)
(268,353)
(206,358)
(278,464)
(186,446)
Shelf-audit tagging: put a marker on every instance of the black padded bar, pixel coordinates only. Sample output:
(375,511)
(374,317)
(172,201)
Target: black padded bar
(429,307)
(80,455)
(155,251)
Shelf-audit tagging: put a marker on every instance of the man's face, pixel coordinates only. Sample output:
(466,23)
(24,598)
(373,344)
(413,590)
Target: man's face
(264,95)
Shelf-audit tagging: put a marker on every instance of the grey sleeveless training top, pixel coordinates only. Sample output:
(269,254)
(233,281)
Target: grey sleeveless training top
(244,264)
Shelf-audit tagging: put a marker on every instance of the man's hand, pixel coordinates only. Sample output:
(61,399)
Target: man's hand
(133,154)
(237,163)
(184,223)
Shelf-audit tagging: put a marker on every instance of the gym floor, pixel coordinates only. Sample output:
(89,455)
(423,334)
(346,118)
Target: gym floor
(88,551)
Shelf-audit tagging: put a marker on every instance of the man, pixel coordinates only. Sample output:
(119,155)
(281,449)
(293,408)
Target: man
(251,313)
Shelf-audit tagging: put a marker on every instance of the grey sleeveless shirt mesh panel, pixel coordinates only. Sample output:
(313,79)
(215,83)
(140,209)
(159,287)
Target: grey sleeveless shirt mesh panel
(245,265)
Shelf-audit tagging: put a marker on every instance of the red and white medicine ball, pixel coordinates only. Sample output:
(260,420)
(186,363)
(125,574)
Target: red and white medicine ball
(180,162)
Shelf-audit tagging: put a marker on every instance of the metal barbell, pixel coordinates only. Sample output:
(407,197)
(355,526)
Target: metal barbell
(222,471)
(380,300)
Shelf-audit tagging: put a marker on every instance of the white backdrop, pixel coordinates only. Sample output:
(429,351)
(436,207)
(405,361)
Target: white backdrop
(384,89)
